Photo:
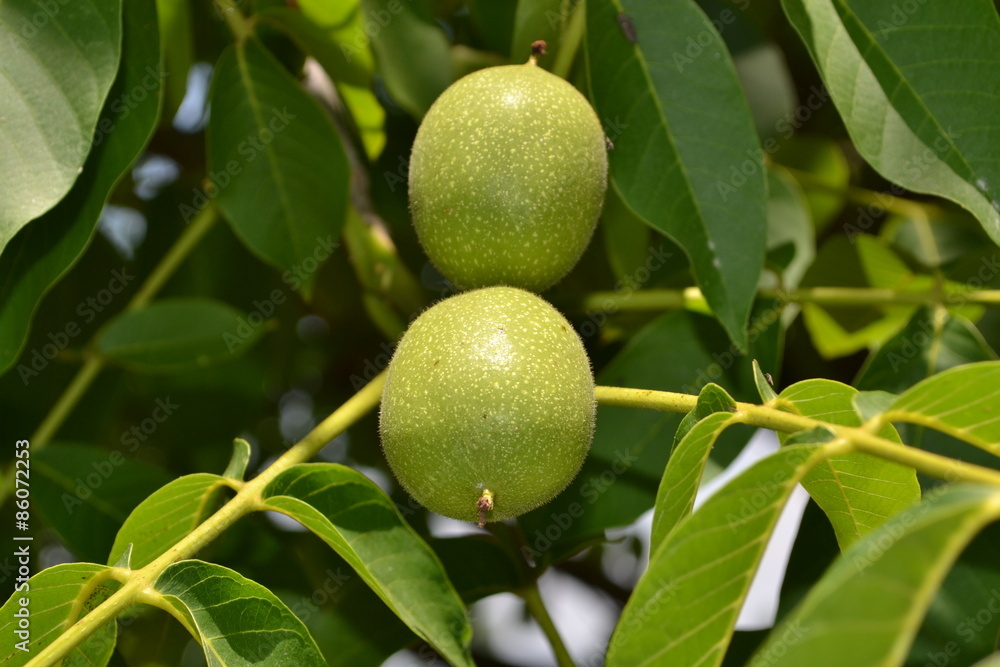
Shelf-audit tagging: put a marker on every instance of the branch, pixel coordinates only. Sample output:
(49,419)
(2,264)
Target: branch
(692,298)
(244,502)
(767,416)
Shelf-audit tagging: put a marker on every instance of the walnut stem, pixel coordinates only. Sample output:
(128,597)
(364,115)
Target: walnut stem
(484,505)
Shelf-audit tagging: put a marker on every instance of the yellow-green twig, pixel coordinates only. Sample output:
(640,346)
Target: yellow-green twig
(140,582)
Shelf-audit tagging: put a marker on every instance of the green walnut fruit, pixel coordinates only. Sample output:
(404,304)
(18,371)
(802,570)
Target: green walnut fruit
(488,407)
(507,178)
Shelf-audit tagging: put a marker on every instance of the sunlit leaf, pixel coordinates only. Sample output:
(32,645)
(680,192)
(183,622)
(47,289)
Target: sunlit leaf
(50,603)
(238,621)
(858,492)
(868,606)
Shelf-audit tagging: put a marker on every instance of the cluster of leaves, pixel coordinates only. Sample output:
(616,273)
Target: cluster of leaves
(812,185)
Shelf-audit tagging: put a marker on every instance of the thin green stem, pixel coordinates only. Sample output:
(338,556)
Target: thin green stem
(536,607)
(692,298)
(182,247)
(140,583)
(889,202)
(569,43)
(767,416)
(234,18)
(185,243)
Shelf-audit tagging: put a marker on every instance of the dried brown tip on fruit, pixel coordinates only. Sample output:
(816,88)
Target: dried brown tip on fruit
(484,505)
(538,48)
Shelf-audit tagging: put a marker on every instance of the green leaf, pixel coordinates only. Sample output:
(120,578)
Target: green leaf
(238,621)
(358,629)
(44,251)
(916,109)
(763,383)
(52,595)
(961,402)
(411,51)
(680,179)
(950,629)
(684,607)
(820,162)
(177,46)
(539,20)
(328,32)
(868,606)
(626,239)
(279,169)
(870,404)
(682,477)
(933,340)
(357,520)
(58,61)
(711,399)
(858,492)
(86,493)
(237,467)
(167,516)
(175,335)
(368,116)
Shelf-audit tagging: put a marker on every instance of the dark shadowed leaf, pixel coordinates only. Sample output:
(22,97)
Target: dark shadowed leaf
(668,167)
(934,340)
(176,335)
(44,251)
(167,516)
(357,520)
(85,493)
